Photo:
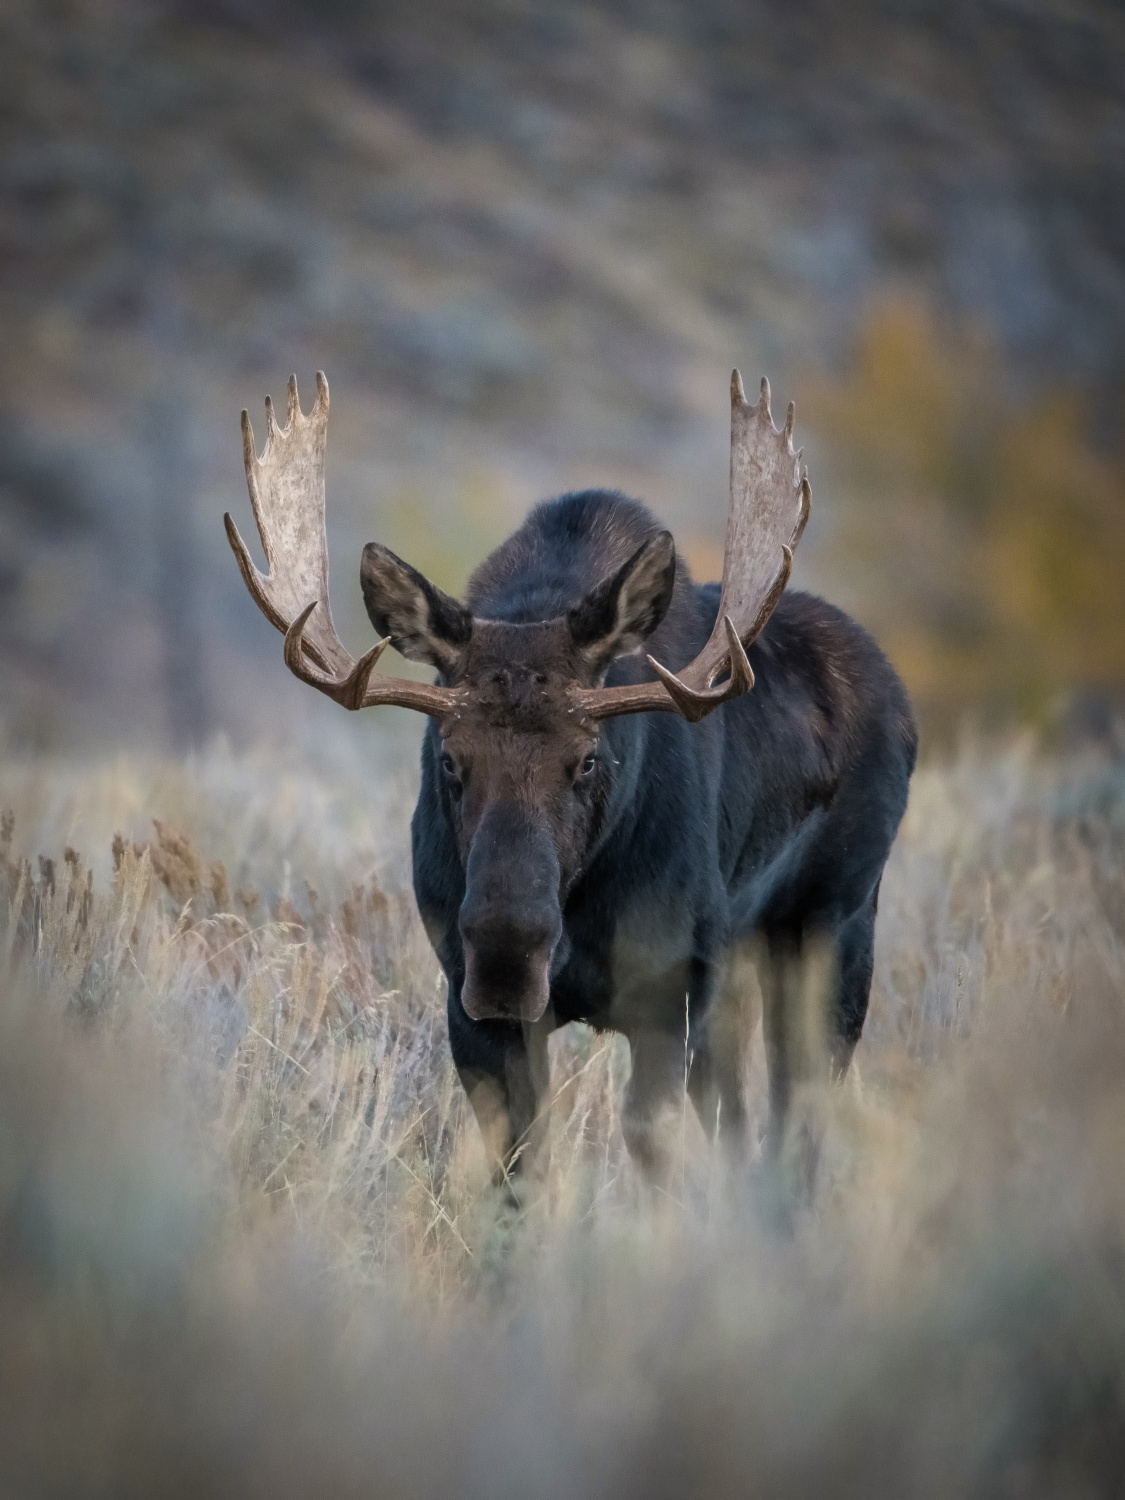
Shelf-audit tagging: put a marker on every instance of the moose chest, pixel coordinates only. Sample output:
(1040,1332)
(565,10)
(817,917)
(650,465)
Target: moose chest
(623,959)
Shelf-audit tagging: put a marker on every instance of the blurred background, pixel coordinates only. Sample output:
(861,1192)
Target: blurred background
(527,243)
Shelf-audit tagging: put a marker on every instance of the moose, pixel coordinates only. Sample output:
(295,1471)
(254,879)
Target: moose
(603,835)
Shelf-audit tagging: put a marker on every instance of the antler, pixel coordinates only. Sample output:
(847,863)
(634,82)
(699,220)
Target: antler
(769,505)
(287,493)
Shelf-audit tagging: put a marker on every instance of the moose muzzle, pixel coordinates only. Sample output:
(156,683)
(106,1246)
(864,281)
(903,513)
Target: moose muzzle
(510,920)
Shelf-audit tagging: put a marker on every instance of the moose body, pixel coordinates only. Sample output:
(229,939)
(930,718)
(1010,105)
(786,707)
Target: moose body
(768,821)
(603,836)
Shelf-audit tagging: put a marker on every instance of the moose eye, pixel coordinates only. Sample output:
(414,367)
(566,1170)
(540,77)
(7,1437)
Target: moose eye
(450,769)
(588,765)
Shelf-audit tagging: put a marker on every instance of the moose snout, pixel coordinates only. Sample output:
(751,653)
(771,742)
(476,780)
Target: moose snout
(520,934)
(510,920)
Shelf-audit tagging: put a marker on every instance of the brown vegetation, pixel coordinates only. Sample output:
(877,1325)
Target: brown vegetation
(247,1242)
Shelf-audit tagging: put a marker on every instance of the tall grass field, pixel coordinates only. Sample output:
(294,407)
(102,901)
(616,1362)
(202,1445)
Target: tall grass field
(249,1245)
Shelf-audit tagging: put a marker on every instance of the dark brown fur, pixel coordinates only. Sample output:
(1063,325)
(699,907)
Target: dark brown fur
(610,872)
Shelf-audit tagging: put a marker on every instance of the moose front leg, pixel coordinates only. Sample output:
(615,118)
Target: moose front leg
(504,1069)
(653,1103)
(672,1052)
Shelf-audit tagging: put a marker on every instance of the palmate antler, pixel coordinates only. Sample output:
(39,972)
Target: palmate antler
(287,493)
(769,505)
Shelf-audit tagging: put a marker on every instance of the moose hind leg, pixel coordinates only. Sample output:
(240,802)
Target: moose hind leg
(855,957)
(815,994)
(777,962)
(799,999)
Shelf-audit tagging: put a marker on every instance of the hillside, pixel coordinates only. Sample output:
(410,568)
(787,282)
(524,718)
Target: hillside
(527,244)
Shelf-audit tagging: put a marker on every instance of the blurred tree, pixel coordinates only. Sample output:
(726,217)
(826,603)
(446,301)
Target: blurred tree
(981,535)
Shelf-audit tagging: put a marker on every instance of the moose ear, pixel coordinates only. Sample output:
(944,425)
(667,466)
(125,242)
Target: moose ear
(423,623)
(617,616)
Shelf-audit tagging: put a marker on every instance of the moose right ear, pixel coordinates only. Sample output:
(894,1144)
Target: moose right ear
(617,617)
(424,623)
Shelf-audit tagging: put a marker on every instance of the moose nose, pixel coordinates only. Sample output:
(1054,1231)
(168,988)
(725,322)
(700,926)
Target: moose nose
(522,934)
(510,918)
(511,885)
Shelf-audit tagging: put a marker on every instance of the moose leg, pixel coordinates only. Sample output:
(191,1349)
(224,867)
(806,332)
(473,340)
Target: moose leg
(504,1069)
(855,954)
(717,1079)
(777,960)
(651,1103)
(815,989)
(799,994)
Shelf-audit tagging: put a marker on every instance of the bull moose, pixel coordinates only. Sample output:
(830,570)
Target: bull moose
(599,834)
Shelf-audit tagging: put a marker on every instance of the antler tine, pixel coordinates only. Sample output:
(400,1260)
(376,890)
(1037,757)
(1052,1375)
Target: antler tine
(357,690)
(349,691)
(286,487)
(695,706)
(770,500)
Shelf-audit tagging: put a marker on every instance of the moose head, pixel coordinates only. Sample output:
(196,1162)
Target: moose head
(519,705)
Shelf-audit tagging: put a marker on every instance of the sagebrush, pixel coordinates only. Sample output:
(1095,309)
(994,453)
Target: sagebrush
(248,1242)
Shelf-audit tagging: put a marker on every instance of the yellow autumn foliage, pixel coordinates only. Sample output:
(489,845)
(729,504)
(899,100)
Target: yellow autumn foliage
(981,534)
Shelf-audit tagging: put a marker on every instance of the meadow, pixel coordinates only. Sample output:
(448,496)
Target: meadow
(248,1242)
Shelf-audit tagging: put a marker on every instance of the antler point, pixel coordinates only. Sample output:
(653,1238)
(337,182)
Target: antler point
(355,686)
(293,643)
(271,421)
(690,704)
(741,672)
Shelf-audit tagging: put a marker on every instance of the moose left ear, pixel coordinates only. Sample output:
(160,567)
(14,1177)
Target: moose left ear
(619,615)
(424,623)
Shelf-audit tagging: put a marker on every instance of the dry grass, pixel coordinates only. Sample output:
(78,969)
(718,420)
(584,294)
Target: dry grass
(247,1243)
